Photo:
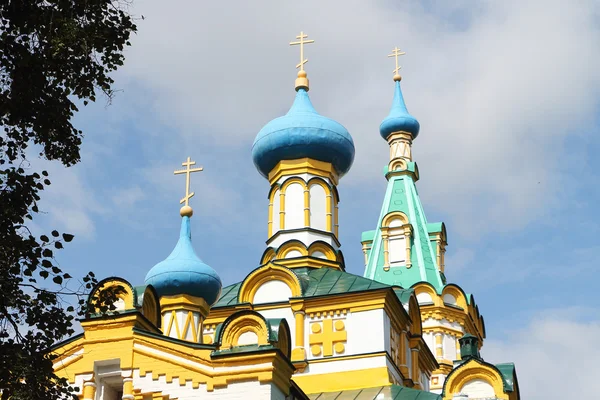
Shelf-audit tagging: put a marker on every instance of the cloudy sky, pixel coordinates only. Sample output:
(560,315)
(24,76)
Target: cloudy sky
(507,94)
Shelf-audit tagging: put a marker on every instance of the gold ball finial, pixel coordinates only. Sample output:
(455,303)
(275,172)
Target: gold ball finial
(397,78)
(186,211)
(301,74)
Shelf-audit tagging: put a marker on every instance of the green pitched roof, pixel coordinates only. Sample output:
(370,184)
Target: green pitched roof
(392,392)
(315,282)
(367,236)
(508,374)
(401,195)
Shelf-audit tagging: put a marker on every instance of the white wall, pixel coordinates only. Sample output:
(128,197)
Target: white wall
(294,206)
(286,313)
(242,390)
(318,208)
(275,211)
(478,388)
(271,292)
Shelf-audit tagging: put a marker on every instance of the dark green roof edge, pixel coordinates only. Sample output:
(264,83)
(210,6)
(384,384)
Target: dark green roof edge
(391,392)
(508,373)
(66,341)
(315,282)
(173,340)
(509,368)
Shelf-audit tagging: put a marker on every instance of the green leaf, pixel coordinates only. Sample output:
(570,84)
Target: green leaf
(58,245)
(57,279)
(67,237)
(55,233)
(44,238)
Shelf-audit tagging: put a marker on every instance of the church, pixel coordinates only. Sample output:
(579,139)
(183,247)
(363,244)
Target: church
(298,326)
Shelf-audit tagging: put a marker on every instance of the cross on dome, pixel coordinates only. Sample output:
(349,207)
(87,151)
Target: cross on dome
(396,52)
(301,42)
(186,210)
(302,80)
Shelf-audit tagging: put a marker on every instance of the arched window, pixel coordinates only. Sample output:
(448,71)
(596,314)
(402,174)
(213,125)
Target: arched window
(294,206)
(396,233)
(318,207)
(275,210)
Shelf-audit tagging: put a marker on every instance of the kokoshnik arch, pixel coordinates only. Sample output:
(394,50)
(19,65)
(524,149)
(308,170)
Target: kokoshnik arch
(299,326)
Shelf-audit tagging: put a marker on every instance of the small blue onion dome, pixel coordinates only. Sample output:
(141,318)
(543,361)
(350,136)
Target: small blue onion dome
(399,119)
(184,273)
(301,133)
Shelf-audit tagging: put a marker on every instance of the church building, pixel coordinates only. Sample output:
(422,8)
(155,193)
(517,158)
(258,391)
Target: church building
(298,326)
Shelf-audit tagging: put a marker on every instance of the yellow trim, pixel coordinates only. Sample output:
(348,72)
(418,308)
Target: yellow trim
(268,256)
(461,301)
(272,194)
(299,353)
(311,262)
(344,380)
(124,292)
(325,337)
(150,307)
(184,302)
(243,324)
(306,207)
(336,211)
(117,340)
(281,210)
(283,189)
(89,390)
(393,215)
(303,166)
(284,250)
(472,371)
(264,274)
(323,248)
(387,231)
(328,201)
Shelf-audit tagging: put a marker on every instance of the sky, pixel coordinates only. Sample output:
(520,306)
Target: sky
(507,95)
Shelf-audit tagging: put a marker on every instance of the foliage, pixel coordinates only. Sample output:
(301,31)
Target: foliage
(54,55)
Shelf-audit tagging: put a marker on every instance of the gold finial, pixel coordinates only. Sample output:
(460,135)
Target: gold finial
(302,80)
(395,53)
(186,210)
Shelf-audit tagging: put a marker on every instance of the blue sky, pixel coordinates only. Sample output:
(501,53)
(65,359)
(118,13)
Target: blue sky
(507,97)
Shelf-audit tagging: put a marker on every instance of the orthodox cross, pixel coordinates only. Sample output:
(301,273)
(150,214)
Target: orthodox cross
(301,42)
(187,171)
(395,53)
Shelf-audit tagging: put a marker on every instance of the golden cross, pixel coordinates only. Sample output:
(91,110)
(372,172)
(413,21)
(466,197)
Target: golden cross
(332,337)
(395,53)
(188,172)
(301,42)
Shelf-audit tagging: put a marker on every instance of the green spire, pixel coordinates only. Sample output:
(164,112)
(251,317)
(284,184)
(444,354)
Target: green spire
(402,200)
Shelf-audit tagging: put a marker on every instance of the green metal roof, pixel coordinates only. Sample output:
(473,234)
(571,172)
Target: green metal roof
(434,227)
(403,295)
(315,282)
(392,392)
(367,236)
(229,295)
(401,195)
(508,374)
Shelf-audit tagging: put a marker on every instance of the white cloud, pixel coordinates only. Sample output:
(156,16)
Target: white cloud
(128,197)
(555,355)
(69,203)
(497,86)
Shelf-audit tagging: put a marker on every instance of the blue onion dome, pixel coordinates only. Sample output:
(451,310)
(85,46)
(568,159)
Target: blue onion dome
(301,133)
(399,119)
(184,273)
